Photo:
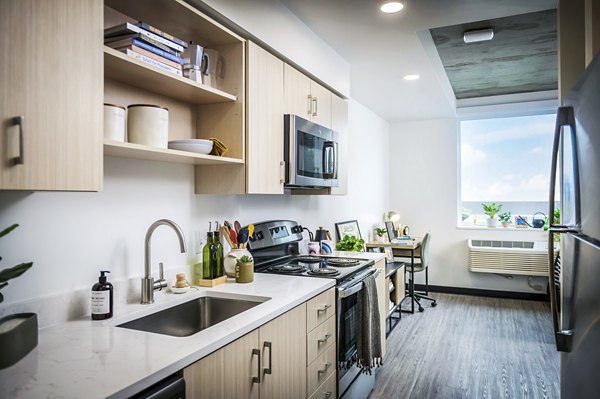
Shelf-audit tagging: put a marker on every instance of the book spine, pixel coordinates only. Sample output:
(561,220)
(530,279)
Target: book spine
(159,32)
(160,65)
(159,45)
(157,51)
(159,39)
(154,56)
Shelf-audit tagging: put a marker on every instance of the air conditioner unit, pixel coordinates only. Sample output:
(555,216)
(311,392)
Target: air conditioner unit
(527,258)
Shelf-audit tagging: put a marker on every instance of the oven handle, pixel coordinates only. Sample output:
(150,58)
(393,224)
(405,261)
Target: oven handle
(346,292)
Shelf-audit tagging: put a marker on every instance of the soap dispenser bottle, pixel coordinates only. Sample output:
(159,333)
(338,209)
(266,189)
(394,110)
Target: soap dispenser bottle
(102,298)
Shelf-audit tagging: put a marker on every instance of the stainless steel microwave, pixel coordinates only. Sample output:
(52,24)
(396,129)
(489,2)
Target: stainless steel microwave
(311,154)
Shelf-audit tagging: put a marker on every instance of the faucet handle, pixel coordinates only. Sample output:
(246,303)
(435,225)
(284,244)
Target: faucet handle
(161,271)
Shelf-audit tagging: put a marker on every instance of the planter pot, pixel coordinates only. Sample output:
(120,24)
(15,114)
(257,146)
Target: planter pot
(244,272)
(379,238)
(18,336)
(505,224)
(231,259)
(492,222)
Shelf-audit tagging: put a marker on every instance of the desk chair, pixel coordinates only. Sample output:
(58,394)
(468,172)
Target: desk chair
(423,265)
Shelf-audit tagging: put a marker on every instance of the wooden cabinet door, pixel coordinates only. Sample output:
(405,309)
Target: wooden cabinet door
(51,74)
(226,373)
(339,124)
(321,110)
(264,144)
(296,91)
(283,343)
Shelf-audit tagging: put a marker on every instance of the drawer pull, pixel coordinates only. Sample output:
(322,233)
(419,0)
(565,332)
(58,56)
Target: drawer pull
(257,353)
(20,121)
(268,370)
(324,308)
(324,369)
(324,339)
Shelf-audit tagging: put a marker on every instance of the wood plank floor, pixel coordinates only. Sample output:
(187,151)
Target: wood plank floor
(472,347)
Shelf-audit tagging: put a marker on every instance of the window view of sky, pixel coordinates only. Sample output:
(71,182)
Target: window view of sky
(506,159)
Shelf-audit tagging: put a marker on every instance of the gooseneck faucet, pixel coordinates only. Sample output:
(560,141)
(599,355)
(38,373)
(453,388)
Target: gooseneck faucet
(148,283)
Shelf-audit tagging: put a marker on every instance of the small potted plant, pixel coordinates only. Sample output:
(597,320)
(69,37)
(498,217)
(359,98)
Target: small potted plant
(244,270)
(351,244)
(505,218)
(491,211)
(380,234)
(18,332)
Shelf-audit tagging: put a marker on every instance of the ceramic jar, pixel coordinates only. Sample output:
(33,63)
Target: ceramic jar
(148,125)
(114,122)
(231,259)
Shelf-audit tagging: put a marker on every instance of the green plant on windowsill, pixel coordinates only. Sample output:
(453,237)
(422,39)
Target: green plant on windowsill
(504,218)
(491,211)
(352,244)
(556,221)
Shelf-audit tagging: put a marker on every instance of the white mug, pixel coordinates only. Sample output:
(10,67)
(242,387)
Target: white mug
(314,248)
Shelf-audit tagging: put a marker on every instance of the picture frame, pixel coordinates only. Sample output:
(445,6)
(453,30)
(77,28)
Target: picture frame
(389,255)
(348,228)
(521,222)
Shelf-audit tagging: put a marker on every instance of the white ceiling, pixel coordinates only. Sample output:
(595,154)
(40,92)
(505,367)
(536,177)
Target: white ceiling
(382,48)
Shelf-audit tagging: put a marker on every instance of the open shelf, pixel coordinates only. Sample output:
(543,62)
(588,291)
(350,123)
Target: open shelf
(122,68)
(137,151)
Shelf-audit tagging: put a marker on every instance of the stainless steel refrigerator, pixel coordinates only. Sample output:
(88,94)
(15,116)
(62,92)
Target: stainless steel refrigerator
(575,292)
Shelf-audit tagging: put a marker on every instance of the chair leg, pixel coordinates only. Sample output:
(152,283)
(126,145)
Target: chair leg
(425,297)
(426,281)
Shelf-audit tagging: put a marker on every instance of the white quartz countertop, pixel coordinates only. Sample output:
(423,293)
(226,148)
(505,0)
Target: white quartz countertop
(95,359)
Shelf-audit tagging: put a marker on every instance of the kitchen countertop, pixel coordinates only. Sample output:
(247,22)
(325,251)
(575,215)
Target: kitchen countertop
(86,358)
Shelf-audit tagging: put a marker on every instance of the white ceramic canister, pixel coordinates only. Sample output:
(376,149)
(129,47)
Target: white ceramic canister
(148,125)
(114,122)
(231,259)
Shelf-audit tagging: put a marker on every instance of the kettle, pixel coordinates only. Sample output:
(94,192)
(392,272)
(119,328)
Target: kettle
(322,234)
(538,223)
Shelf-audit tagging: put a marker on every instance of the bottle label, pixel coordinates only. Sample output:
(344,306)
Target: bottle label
(100,301)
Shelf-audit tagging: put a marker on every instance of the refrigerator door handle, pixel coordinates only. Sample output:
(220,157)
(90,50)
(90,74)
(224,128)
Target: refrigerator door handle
(563,338)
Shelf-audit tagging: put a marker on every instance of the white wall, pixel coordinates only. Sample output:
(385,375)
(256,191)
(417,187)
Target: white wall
(275,24)
(71,236)
(424,192)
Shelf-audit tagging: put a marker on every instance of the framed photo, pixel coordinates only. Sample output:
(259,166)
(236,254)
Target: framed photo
(521,222)
(349,228)
(389,255)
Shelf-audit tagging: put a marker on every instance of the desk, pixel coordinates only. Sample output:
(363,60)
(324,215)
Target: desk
(407,251)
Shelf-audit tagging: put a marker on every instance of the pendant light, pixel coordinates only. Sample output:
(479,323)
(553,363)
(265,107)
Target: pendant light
(390,7)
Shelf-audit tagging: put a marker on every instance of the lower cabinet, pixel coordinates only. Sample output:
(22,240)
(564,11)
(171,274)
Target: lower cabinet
(269,362)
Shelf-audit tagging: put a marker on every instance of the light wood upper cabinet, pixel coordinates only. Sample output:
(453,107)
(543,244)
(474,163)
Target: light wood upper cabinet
(51,74)
(321,102)
(226,373)
(264,149)
(306,98)
(283,343)
(339,123)
(297,93)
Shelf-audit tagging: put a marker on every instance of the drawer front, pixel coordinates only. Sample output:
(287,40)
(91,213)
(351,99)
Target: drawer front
(320,308)
(327,390)
(321,369)
(319,339)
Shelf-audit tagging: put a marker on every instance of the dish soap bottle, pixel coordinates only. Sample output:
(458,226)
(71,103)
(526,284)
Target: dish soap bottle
(206,256)
(102,298)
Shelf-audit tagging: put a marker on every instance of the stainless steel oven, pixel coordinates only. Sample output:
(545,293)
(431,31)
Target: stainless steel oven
(311,154)
(351,383)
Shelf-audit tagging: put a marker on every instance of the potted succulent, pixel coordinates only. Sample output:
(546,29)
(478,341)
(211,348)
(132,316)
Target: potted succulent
(244,270)
(350,243)
(505,218)
(491,211)
(380,234)
(18,332)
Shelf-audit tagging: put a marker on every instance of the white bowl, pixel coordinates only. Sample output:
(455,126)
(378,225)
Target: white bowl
(198,146)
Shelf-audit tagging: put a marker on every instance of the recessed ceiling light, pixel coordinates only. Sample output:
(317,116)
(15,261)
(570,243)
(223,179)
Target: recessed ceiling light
(478,35)
(411,77)
(390,7)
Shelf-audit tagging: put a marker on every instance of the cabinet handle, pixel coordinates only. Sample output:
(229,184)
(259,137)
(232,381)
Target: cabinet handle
(282,172)
(256,379)
(20,120)
(309,97)
(324,339)
(324,308)
(324,369)
(316,103)
(268,370)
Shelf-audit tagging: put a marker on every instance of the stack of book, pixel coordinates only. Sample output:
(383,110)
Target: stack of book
(147,44)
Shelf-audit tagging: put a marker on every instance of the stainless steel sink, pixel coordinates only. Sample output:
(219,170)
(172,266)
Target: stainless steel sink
(191,317)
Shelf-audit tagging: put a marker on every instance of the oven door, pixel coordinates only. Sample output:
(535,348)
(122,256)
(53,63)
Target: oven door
(348,329)
(311,152)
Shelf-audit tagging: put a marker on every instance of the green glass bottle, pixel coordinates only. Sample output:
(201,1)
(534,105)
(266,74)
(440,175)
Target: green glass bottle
(206,257)
(220,270)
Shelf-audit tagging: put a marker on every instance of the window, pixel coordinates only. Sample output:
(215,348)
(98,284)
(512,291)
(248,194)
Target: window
(507,161)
